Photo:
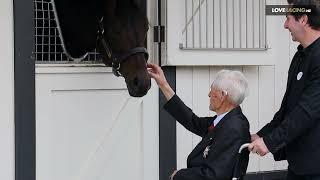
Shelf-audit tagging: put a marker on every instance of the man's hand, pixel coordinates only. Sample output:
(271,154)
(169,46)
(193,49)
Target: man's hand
(258,146)
(172,175)
(157,74)
(254,137)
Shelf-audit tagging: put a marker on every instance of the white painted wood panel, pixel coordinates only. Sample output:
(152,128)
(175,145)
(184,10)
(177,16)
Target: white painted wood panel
(184,137)
(224,35)
(7,91)
(267,85)
(266,108)
(251,109)
(201,86)
(88,127)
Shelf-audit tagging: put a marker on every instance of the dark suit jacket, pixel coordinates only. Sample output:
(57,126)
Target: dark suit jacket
(225,139)
(294,132)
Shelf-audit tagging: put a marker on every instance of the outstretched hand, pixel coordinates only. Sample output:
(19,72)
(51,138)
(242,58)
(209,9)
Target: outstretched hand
(157,74)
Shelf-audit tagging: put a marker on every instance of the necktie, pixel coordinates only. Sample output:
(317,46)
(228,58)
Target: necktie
(211,127)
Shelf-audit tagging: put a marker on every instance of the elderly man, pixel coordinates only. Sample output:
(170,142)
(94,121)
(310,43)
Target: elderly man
(222,135)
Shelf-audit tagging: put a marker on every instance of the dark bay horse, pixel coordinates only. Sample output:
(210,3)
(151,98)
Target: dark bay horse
(116,28)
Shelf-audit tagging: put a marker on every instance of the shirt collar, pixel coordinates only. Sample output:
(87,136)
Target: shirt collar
(309,48)
(218,118)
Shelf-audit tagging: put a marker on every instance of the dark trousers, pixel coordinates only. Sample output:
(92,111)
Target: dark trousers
(292,176)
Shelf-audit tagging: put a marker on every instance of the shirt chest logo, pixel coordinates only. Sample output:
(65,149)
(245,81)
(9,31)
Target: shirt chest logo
(299,75)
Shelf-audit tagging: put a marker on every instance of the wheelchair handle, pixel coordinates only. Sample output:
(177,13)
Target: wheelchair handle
(236,169)
(243,146)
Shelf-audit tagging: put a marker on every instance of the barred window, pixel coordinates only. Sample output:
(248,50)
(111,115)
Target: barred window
(224,25)
(48,43)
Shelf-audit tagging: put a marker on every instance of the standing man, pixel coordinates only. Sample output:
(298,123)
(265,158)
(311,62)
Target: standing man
(294,132)
(214,158)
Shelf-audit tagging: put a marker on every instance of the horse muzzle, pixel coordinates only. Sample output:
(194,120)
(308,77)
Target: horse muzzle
(139,86)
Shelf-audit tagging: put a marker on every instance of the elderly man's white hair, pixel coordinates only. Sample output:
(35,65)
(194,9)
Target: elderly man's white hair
(233,83)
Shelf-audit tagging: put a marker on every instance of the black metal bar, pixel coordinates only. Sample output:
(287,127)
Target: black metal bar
(162,33)
(167,131)
(156,34)
(24,91)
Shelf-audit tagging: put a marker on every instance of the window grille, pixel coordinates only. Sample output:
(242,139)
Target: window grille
(224,25)
(48,44)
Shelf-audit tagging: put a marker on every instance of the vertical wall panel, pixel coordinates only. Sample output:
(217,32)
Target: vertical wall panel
(249,25)
(7,88)
(200,91)
(189,29)
(210,21)
(236,24)
(266,107)
(216,23)
(184,137)
(250,108)
(203,23)
(196,27)
(223,24)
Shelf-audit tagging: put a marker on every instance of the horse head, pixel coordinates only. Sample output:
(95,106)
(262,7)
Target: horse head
(117,29)
(125,29)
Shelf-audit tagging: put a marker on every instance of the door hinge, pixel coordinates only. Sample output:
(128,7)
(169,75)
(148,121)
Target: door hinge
(159,34)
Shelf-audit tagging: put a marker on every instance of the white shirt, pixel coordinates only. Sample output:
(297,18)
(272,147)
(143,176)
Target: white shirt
(218,118)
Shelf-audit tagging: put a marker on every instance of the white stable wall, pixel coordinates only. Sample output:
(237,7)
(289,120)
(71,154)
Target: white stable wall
(267,86)
(88,127)
(6,92)
(267,83)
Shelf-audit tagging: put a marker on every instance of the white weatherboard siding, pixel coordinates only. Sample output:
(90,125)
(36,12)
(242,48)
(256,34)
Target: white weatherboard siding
(6,95)
(214,26)
(267,86)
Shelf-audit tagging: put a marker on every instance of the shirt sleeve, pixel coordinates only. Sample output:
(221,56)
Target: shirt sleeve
(184,115)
